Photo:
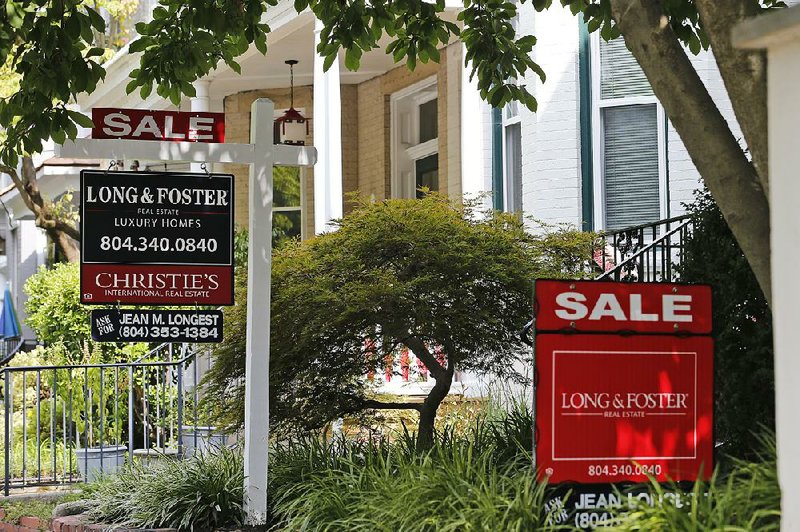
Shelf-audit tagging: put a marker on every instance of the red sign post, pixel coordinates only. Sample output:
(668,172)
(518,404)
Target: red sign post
(625,382)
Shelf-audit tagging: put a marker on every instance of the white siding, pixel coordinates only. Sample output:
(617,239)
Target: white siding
(551,168)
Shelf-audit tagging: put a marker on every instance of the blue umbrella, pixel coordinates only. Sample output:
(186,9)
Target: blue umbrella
(9,325)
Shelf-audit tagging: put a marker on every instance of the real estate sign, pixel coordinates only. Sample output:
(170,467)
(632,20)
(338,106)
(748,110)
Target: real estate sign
(133,325)
(156,238)
(624,386)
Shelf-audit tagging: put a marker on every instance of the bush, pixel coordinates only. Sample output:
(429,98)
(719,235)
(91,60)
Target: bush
(200,493)
(744,377)
(53,307)
(480,479)
(447,281)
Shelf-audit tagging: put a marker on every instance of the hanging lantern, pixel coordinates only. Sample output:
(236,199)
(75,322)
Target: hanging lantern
(292,127)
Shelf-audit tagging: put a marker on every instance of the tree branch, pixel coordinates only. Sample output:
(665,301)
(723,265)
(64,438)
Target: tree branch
(417,346)
(744,73)
(729,175)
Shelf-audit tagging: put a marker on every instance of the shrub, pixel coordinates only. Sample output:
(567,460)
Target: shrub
(202,492)
(744,377)
(448,281)
(53,306)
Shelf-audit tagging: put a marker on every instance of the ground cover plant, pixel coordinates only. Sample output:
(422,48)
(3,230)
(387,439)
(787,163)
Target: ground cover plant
(202,492)
(476,479)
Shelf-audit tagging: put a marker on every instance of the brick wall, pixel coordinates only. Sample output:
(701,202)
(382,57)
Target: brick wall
(365,133)
(237,129)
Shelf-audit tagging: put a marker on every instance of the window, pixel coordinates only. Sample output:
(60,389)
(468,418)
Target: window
(415,139)
(287,210)
(512,158)
(512,146)
(629,138)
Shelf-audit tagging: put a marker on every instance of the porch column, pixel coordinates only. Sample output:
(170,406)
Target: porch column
(779,33)
(327,124)
(200,103)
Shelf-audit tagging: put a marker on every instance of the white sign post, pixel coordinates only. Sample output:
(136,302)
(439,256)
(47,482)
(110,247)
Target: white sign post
(262,155)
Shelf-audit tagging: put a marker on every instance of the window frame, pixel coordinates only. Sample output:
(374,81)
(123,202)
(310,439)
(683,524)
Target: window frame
(598,139)
(404,135)
(508,179)
(277,113)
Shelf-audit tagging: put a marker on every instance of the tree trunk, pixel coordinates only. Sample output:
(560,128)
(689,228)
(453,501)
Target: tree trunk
(427,413)
(729,175)
(64,235)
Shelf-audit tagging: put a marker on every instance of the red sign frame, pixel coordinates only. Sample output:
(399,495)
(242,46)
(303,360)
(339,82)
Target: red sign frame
(613,408)
(606,306)
(146,124)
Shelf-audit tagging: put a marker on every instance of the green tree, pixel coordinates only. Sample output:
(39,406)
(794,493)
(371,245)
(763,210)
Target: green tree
(50,51)
(410,273)
(186,37)
(744,384)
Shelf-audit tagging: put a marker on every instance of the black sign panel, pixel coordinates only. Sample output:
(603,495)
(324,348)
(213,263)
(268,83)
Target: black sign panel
(136,217)
(597,506)
(123,325)
(156,238)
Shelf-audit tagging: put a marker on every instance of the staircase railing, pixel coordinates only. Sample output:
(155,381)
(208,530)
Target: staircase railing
(67,423)
(645,253)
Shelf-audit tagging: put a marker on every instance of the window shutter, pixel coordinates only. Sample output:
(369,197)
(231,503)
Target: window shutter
(620,74)
(630,165)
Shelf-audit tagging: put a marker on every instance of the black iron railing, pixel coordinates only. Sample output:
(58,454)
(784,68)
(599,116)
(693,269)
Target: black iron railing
(69,423)
(644,253)
(9,347)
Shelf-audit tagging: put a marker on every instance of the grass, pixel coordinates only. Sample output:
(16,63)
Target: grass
(40,463)
(479,478)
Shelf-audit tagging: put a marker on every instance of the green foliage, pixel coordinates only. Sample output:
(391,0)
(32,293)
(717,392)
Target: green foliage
(52,50)
(404,271)
(477,480)
(744,378)
(53,306)
(202,492)
(748,498)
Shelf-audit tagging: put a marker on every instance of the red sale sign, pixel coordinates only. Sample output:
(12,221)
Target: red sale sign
(625,380)
(145,124)
(594,306)
(615,409)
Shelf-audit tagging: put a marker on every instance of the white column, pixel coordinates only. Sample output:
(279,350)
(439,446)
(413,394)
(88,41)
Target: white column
(476,140)
(259,264)
(327,123)
(784,191)
(200,103)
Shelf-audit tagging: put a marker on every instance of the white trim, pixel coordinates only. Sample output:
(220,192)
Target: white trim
(424,149)
(401,188)
(590,352)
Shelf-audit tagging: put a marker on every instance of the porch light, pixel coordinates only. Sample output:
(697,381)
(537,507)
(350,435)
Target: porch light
(292,127)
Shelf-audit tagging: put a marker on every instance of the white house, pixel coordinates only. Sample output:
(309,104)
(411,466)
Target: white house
(598,154)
